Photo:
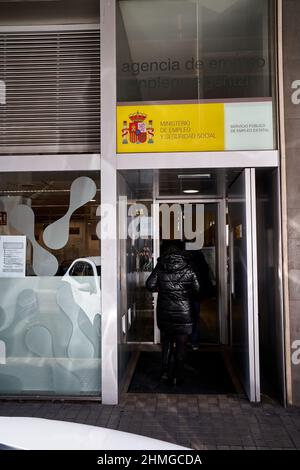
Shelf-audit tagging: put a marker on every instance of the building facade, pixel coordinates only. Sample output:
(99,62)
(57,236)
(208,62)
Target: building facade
(124,123)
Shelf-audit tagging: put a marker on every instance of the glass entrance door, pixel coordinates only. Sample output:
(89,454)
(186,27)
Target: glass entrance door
(148,226)
(196,223)
(243,275)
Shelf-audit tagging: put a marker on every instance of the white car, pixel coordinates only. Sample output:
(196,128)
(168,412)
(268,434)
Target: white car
(50,332)
(45,434)
(83,278)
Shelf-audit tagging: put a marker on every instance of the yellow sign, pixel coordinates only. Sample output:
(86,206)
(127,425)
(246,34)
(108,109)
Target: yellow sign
(170,128)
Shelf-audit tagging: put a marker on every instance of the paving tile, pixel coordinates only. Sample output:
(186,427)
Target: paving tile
(200,422)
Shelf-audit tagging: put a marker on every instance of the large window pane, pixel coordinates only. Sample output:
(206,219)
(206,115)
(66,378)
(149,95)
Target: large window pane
(193,49)
(50,317)
(135,190)
(195,75)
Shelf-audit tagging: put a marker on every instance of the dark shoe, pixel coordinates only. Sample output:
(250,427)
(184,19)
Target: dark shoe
(164,376)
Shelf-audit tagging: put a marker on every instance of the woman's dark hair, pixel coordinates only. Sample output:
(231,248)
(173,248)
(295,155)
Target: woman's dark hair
(171,246)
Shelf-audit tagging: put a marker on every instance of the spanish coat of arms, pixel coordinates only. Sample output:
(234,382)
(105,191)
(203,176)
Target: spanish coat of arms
(138,131)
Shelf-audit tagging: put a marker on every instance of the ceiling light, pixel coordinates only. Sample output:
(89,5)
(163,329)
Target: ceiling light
(194,176)
(191,191)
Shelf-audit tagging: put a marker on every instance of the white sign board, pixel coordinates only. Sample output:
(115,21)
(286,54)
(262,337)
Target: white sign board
(249,126)
(12,256)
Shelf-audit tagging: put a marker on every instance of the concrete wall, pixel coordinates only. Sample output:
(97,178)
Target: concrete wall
(291,58)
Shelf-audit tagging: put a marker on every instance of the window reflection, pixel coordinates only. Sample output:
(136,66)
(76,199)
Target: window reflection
(50,316)
(197,49)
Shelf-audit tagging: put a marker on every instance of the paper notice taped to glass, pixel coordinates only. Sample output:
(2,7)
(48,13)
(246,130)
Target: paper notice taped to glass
(12,256)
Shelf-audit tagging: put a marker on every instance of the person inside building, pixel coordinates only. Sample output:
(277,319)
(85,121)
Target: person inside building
(177,284)
(201,268)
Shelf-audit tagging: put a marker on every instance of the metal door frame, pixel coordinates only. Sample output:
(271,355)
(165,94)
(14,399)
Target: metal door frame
(252,281)
(221,259)
(251,188)
(252,284)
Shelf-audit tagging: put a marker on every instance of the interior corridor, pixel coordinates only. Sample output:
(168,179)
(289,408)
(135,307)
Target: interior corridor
(218,205)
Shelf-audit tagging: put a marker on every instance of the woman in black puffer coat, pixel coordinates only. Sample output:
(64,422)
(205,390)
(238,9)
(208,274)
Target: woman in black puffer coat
(176,283)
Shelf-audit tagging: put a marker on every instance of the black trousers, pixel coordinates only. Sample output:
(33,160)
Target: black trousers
(173,351)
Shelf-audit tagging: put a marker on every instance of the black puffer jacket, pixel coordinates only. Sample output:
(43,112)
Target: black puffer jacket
(177,285)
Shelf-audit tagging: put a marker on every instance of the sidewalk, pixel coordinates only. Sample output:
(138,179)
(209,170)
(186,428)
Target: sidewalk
(200,422)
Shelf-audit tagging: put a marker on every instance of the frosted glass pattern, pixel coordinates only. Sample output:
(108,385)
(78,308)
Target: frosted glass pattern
(50,320)
(43,262)
(82,191)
